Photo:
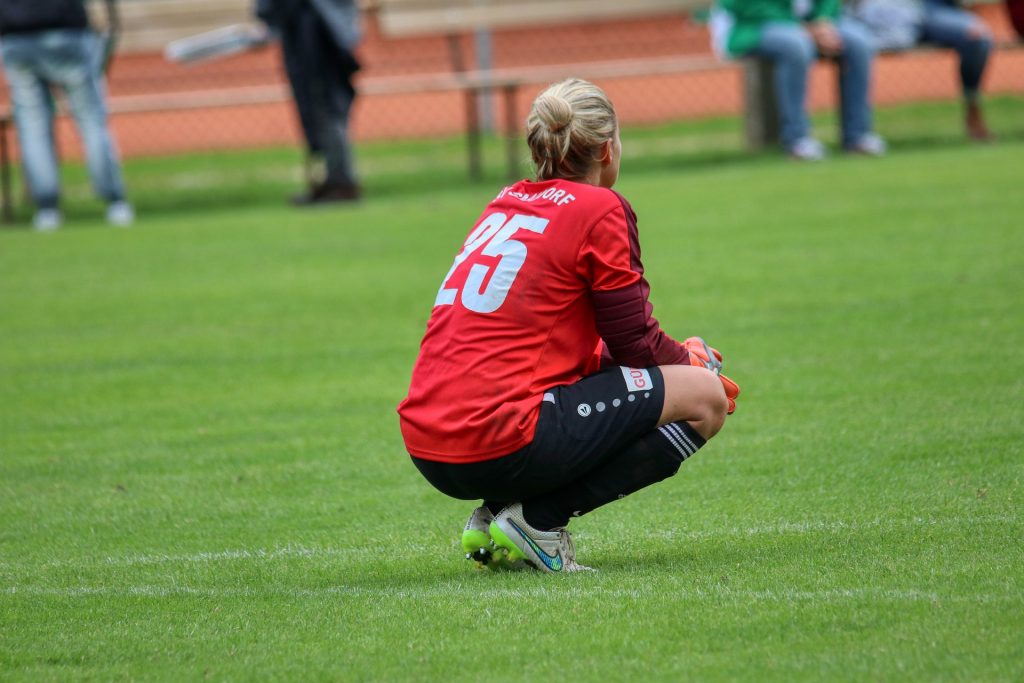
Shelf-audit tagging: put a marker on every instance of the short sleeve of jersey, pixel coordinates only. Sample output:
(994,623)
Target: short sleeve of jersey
(605,257)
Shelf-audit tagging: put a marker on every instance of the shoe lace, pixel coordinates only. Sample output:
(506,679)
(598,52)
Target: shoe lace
(568,549)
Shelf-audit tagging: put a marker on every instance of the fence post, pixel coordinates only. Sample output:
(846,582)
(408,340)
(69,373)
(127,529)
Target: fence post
(513,130)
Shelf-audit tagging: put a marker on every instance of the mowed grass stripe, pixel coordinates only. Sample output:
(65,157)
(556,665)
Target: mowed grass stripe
(831,527)
(201,474)
(555,591)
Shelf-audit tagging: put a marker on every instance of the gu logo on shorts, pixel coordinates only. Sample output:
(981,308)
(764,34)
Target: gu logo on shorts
(636,380)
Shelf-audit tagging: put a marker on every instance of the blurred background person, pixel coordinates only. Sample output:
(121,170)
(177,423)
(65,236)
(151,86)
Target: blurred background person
(49,43)
(902,24)
(318,38)
(1015,10)
(792,35)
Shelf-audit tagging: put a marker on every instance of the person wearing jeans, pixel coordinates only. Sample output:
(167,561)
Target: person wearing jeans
(792,40)
(902,24)
(48,43)
(963,31)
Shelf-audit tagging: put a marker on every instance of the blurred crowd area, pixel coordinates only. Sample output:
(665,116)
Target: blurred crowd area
(242,101)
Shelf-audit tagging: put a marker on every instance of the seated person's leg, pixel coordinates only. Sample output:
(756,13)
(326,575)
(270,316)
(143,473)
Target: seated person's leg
(970,37)
(792,53)
(855,64)
(953,27)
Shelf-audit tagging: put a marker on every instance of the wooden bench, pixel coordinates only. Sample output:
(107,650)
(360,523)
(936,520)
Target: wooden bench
(455,18)
(508,81)
(760,114)
(149,25)
(418,17)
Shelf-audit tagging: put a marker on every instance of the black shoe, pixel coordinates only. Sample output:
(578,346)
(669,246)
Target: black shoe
(326,193)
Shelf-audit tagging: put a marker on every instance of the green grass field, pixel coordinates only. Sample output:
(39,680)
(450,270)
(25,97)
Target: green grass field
(202,477)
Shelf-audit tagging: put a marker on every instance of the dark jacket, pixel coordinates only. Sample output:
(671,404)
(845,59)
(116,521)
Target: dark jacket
(341,17)
(25,16)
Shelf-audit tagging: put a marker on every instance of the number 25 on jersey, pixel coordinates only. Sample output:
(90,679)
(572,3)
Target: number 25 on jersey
(494,234)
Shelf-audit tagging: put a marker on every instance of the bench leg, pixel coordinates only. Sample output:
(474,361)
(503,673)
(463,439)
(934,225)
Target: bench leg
(760,115)
(472,109)
(512,137)
(473,134)
(6,197)
(840,108)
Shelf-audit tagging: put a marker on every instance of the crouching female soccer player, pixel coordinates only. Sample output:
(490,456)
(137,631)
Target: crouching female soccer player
(544,386)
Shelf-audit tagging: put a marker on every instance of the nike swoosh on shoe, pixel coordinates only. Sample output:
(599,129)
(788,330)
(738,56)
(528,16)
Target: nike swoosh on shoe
(552,562)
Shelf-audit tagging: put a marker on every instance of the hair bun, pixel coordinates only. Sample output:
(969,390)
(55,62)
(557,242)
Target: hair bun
(567,125)
(555,112)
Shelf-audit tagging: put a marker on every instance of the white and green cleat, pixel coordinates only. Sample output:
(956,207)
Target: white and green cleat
(478,546)
(549,551)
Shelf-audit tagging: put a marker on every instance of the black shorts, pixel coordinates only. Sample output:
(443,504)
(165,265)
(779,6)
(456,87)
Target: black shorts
(580,426)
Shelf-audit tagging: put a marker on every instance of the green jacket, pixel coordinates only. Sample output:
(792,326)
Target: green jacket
(750,15)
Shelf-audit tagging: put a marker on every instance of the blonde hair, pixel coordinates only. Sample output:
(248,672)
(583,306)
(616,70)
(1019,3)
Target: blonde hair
(567,125)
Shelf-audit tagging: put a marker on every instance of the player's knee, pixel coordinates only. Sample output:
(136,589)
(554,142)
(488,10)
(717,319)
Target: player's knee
(695,395)
(979,32)
(716,408)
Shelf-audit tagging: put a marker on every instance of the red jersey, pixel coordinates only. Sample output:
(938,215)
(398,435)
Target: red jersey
(515,316)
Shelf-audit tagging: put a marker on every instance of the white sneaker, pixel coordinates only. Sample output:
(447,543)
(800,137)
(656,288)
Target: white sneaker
(549,551)
(47,220)
(807,149)
(476,541)
(869,144)
(120,214)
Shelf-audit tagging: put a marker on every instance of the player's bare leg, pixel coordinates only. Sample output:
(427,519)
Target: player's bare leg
(694,408)
(693,395)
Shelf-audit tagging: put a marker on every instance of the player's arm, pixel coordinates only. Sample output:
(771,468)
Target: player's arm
(637,340)
(610,261)
(631,333)
(623,313)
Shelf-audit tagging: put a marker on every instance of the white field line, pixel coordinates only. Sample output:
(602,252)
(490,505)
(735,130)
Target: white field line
(558,591)
(289,551)
(831,526)
(300,551)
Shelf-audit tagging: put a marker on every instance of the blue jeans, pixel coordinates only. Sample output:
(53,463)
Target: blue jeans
(71,59)
(950,27)
(792,52)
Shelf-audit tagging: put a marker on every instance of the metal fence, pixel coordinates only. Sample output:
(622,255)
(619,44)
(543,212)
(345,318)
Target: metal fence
(243,102)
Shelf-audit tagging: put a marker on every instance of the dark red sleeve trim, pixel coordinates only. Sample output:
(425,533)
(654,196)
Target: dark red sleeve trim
(624,316)
(631,334)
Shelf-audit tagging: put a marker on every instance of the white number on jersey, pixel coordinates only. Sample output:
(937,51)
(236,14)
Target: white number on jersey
(496,233)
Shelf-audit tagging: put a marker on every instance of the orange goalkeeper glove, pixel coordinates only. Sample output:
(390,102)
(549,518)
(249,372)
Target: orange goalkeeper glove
(703,356)
(732,390)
